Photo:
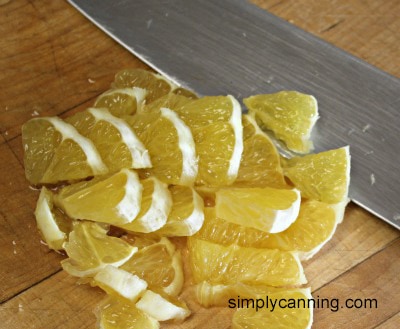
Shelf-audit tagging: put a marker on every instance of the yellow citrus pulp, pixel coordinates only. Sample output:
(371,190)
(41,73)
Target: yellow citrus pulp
(114,313)
(266,209)
(323,176)
(114,199)
(159,264)
(260,164)
(113,138)
(123,101)
(90,249)
(290,115)
(170,144)
(291,310)
(170,101)
(216,125)
(55,152)
(219,264)
(187,213)
(312,229)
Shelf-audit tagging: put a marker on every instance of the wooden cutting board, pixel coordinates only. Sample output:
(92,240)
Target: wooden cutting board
(54,62)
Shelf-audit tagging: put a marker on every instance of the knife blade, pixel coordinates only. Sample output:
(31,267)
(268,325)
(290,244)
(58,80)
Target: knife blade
(234,47)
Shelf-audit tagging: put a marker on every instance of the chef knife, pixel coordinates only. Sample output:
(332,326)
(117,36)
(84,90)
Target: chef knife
(233,47)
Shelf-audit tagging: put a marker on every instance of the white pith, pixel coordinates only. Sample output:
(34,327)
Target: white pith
(68,131)
(186,146)
(140,155)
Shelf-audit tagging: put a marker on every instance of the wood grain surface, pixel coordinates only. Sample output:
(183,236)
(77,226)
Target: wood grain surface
(54,62)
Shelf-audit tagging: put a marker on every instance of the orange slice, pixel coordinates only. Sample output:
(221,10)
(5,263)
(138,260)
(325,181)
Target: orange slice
(260,163)
(90,249)
(56,152)
(211,121)
(114,313)
(266,209)
(323,176)
(219,264)
(121,102)
(170,144)
(186,216)
(114,139)
(112,199)
(155,207)
(155,84)
(290,115)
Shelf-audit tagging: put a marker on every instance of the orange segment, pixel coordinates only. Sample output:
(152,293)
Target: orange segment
(155,84)
(90,249)
(260,162)
(155,207)
(159,264)
(323,176)
(219,264)
(121,102)
(292,310)
(219,294)
(114,313)
(115,140)
(266,209)
(56,152)
(170,144)
(213,120)
(312,229)
(290,115)
(186,216)
(112,199)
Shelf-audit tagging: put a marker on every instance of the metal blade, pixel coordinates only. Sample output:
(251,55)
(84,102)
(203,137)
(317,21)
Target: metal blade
(233,47)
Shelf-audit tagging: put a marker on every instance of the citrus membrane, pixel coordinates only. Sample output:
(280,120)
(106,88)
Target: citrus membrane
(119,283)
(53,225)
(155,207)
(162,307)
